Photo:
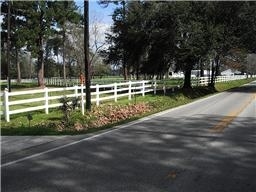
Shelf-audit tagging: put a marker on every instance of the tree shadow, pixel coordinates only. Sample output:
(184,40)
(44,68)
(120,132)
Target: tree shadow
(249,88)
(160,154)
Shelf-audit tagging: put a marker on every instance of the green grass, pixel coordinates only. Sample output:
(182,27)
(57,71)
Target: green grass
(43,124)
(232,84)
(17,86)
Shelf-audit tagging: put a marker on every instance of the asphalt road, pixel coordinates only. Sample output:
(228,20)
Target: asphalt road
(208,146)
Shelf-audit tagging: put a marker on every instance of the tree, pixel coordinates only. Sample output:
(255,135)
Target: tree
(251,64)
(12,29)
(246,28)
(75,46)
(46,17)
(141,39)
(161,24)
(190,38)
(66,15)
(39,14)
(116,53)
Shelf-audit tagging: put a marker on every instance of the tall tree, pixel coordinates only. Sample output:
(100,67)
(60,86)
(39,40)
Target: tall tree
(247,26)
(12,29)
(117,53)
(203,32)
(190,38)
(39,27)
(66,14)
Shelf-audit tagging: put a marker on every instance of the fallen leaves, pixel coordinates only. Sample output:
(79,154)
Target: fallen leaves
(113,113)
(102,116)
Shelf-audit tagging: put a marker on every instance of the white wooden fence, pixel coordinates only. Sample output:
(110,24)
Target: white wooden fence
(69,82)
(56,81)
(206,80)
(50,96)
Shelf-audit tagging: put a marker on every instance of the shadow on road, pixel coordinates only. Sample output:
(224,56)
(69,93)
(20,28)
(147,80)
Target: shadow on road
(249,88)
(152,156)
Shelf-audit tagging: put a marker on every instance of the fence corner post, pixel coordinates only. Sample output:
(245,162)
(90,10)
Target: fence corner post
(46,97)
(6,105)
(97,95)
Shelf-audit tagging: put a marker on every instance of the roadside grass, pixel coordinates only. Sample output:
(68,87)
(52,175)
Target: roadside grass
(43,124)
(232,84)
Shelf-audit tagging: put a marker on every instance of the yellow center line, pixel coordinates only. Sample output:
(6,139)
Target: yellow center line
(225,121)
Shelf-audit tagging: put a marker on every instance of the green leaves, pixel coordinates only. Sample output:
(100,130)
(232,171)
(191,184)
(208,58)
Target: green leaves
(149,36)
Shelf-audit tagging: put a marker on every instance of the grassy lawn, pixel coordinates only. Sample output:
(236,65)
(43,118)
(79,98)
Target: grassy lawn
(107,114)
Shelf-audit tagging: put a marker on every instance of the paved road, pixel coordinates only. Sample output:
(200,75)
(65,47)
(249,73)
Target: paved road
(209,146)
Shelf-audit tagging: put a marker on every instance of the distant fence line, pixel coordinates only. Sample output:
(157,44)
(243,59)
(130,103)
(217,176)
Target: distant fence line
(57,81)
(44,99)
(206,80)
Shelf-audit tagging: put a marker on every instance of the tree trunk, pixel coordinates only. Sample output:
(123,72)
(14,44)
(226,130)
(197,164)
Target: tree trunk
(9,47)
(201,68)
(215,66)
(18,66)
(125,73)
(187,78)
(137,71)
(211,84)
(64,57)
(30,66)
(40,61)
(40,72)
(217,69)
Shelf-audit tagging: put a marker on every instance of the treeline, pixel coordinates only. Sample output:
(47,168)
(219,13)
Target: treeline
(46,40)
(149,37)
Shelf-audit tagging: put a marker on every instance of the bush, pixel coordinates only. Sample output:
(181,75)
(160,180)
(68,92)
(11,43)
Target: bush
(68,105)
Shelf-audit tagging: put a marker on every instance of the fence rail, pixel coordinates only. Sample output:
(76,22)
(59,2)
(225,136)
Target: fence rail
(44,99)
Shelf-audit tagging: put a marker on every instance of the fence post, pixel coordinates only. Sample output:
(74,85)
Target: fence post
(115,91)
(6,105)
(46,100)
(130,91)
(143,88)
(82,98)
(76,91)
(164,89)
(97,95)
(154,87)
(200,80)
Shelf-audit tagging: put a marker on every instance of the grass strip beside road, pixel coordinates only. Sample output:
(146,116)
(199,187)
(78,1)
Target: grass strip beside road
(43,124)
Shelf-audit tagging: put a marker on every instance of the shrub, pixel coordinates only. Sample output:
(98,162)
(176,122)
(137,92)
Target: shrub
(68,105)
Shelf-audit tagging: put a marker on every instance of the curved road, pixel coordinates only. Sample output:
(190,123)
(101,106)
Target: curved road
(208,145)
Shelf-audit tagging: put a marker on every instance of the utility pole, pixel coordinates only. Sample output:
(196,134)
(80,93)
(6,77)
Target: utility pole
(86,55)
(8,46)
